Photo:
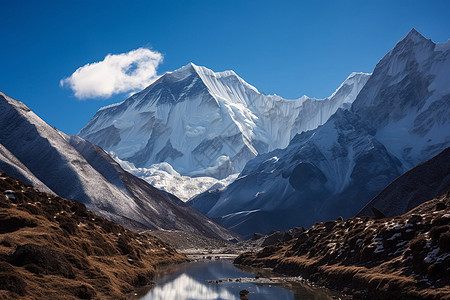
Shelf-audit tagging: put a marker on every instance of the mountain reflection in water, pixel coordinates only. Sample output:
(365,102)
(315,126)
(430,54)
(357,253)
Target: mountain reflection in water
(185,287)
(190,282)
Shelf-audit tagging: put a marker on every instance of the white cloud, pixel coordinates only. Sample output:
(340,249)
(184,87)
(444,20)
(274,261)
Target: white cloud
(117,73)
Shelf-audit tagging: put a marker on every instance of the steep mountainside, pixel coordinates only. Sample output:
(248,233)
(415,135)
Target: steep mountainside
(53,248)
(322,174)
(74,168)
(399,118)
(10,164)
(428,180)
(407,99)
(208,124)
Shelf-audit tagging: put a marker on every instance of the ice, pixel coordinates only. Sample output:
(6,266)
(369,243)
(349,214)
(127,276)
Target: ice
(431,256)
(164,176)
(110,106)
(379,245)
(206,116)
(240,213)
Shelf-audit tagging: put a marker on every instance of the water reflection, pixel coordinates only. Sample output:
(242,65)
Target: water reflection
(186,287)
(190,282)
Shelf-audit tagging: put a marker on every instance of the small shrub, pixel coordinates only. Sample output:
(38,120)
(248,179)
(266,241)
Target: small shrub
(444,241)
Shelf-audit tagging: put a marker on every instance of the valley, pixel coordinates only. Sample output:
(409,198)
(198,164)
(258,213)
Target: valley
(199,186)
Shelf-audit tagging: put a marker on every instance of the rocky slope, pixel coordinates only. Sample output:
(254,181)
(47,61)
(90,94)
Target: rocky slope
(399,119)
(428,180)
(405,257)
(76,169)
(53,248)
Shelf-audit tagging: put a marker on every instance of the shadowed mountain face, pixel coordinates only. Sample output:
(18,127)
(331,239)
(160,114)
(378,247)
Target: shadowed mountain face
(426,181)
(399,119)
(322,174)
(74,168)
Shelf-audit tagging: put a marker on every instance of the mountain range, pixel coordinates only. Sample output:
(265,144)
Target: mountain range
(399,119)
(254,162)
(205,126)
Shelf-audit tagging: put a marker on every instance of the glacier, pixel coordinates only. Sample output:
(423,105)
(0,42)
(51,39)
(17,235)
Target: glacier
(206,124)
(164,177)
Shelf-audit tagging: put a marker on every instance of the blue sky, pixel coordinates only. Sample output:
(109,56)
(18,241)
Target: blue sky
(289,48)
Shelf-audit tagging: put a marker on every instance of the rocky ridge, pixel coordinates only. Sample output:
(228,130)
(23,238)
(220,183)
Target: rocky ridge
(428,180)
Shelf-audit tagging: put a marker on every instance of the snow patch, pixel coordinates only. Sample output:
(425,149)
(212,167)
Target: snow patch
(163,176)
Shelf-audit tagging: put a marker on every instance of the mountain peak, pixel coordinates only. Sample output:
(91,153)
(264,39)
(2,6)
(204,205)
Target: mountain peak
(414,36)
(191,67)
(193,118)
(356,80)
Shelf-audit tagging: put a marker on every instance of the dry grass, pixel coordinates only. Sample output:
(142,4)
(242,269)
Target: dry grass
(53,248)
(405,257)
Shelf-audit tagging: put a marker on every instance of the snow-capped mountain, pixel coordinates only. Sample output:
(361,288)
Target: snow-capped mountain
(400,117)
(204,123)
(408,99)
(76,169)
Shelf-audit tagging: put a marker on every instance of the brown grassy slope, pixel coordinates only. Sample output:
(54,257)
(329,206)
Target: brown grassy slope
(405,257)
(53,248)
